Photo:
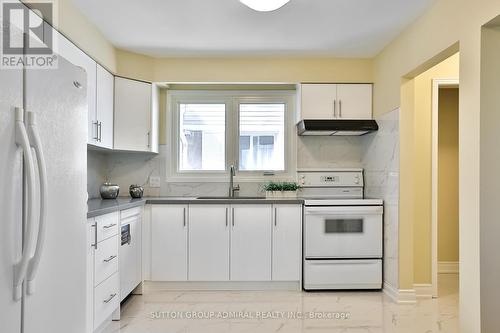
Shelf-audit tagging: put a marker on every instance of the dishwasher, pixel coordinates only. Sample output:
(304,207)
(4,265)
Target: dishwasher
(130,251)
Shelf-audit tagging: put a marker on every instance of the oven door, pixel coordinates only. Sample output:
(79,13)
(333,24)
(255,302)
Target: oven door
(343,232)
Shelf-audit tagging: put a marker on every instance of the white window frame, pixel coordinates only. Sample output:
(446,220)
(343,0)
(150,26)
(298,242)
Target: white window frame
(232,99)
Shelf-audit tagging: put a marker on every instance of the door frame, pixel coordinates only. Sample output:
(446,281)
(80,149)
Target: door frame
(436,85)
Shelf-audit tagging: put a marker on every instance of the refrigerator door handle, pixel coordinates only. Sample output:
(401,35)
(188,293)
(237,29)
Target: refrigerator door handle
(20,269)
(42,220)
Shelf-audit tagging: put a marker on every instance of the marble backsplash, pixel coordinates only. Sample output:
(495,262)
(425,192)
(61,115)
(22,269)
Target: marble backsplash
(381,164)
(125,169)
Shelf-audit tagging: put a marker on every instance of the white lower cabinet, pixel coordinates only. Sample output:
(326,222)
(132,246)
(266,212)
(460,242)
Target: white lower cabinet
(106,259)
(251,235)
(208,243)
(287,242)
(103,285)
(223,242)
(106,299)
(169,242)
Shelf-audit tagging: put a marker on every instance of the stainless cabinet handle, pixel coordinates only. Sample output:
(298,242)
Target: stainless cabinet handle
(109,226)
(227,222)
(110,298)
(184,218)
(334,108)
(232,216)
(100,131)
(340,108)
(96,137)
(149,139)
(109,259)
(95,236)
(275,216)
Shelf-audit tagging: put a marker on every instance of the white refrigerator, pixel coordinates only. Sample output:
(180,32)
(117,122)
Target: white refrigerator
(43,160)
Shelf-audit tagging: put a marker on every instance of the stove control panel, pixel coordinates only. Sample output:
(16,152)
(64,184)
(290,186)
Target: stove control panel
(348,178)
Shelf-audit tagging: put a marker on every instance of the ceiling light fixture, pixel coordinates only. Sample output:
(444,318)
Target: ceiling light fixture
(265,5)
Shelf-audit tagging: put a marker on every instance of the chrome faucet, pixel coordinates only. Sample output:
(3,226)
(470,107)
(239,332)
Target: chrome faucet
(232,188)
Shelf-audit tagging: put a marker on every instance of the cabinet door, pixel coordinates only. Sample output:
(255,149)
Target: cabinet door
(208,242)
(132,115)
(169,242)
(355,101)
(77,57)
(319,101)
(287,242)
(105,92)
(251,242)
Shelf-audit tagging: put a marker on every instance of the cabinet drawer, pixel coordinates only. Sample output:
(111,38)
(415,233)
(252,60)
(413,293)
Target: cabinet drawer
(343,274)
(107,226)
(130,212)
(106,299)
(106,259)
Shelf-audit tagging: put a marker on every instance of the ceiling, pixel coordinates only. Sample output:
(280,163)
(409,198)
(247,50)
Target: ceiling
(189,28)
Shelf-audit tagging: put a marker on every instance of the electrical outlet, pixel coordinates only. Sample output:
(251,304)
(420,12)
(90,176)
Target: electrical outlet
(154,181)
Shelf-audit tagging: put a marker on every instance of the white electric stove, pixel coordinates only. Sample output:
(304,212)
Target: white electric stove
(343,231)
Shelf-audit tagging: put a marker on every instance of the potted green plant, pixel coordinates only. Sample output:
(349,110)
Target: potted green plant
(281,189)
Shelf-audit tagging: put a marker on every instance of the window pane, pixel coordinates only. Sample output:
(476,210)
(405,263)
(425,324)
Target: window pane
(262,137)
(202,137)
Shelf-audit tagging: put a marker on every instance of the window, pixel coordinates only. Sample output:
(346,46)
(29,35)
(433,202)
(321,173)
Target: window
(262,137)
(202,135)
(212,130)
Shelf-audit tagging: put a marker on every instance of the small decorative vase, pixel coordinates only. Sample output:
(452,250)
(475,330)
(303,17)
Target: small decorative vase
(136,191)
(109,191)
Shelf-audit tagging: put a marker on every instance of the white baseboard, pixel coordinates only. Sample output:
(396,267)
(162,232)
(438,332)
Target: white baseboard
(448,267)
(400,296)
(423,290)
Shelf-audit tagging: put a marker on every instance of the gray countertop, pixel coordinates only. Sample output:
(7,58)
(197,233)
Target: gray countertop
(98,207)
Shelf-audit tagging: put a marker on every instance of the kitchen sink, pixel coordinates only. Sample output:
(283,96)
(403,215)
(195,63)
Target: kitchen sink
(229,198)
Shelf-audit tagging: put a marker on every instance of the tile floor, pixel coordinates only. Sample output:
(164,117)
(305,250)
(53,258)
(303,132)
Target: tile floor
(278,311)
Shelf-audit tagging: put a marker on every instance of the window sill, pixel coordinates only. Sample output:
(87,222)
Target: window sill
(225,179)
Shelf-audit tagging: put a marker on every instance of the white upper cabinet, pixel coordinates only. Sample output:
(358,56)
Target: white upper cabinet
(169,242)
(105,92)
(287,242)
(209,242)
(77,57)
(251,242)
(335,101)
(355,101)
(134,118)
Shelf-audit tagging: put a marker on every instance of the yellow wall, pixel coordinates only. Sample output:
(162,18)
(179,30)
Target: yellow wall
(422,121)
(264,69)
(448,175)
(430,39)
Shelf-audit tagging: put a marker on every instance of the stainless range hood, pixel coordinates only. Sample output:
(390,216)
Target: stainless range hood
(336,127)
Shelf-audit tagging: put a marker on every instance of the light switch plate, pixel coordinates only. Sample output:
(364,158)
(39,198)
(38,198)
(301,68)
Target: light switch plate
(154,181)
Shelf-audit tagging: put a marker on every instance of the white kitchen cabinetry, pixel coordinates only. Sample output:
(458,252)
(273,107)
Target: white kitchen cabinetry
(130,250)
(105,94)
(103,277)
(208,243)
(169,247)
(76,56)
(335,101)
(287,242)
(251,235)
(135,118)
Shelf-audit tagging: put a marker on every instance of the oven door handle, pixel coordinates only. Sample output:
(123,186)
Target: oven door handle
(345,210)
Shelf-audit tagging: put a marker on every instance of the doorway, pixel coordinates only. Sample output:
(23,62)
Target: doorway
(445,189)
